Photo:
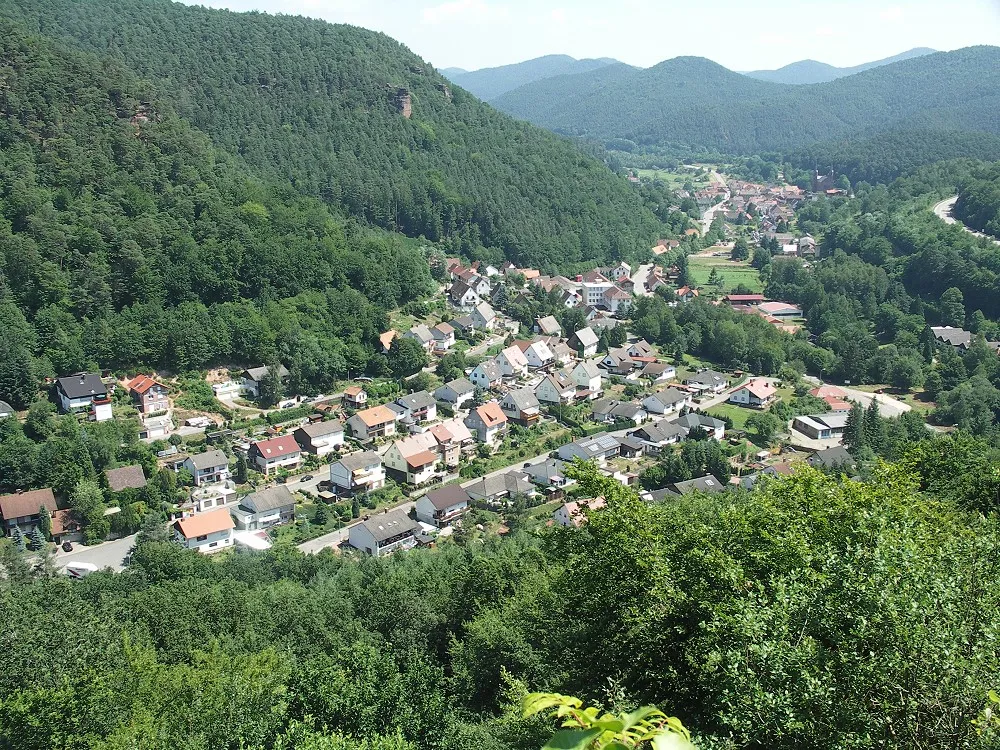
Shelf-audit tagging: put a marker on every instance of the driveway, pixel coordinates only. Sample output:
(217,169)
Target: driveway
(106,555)
(639,279)
(887,405)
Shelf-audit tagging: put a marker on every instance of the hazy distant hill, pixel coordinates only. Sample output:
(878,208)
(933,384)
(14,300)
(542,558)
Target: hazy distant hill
(812,71)
(695,102)
(489,83)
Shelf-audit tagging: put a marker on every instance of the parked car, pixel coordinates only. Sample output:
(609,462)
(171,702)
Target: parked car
(306,478)
(67,546)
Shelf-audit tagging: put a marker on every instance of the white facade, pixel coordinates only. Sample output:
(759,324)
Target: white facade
(367,475)
(539,355)
(513,363)
(586,376)
(593,292)
(208,543)
(553,392)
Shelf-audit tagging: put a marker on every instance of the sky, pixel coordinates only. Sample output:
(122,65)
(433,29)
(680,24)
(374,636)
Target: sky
(740,34)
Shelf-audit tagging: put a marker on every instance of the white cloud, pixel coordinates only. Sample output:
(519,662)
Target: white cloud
(558,15)
(463,10)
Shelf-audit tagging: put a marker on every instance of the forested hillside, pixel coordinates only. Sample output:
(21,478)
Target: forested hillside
(489,83)
(127,239)
(354,118)
(813,71)
(696,103)
(978,204)
(815,612)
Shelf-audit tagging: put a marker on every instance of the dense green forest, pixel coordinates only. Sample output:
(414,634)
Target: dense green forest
(714,108)
(814,612)
(323,106)
(489,83)
(128,239)
(813,71)
(978,204)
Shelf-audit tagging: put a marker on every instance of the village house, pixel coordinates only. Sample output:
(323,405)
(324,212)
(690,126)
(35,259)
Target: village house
(483,316)
(444,336)
(265,508)
(619,362)
(757,393)
(357,473)
(418,407)
(667,401)
(275,453)
(707,484)
(501,487)
(372,423)
(537,353)
(584,342)
(209,467)
(384,533)
(487,375)
(355,397)
(609,411)
(422,335)
(658,372)
(125,478)
(616,300)
(561,353)
(587,378)
(836,458)
(599,448)
(555,389)
(707,380)
(488,422)
(443,506)
(521,405)
(686,294)
(84,391)
(23,509)
(549,474)
(574,513)
(148,395)
(252,377)
(513,363)
(657,435)
(462,295)
(206,532)
(385,340)
(548,326)
(320,438)
(456,392)
(821,426)
(452,439)
(413,459)
(693,421)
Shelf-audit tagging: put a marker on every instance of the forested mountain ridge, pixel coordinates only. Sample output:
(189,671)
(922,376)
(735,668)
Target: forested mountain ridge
(813,71)
(127,239)
(353,117)
(489,83)
(697,103)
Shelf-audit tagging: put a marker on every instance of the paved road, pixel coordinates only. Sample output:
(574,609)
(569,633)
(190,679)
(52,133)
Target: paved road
(943,212)
(106,555)
(639,279)
(888,406)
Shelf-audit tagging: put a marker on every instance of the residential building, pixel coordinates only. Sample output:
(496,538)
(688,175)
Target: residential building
(385,533)
(23,509)
(441,507)
(658,372)
(152,428)
(418,407)
(462,295)
(609,411)
(499,487)
(598,447)
(537,353)
(413,459)
(487,375)
(686,294)
(357,473)
(548,326)
(551,473)
(561,353)
(355,397)
(587,378)
(667,401)
(707,484)
(836,458)
(593,287)
(513,363)
(456,392)
(209,467)
(483,316)
(575,512)
(657,435)
(780,309)
(265,508)
(422,335)
(444,336)
(488,422)
(206,532)
(374,422)
(451,439)
(757,393)
(521,405)
(708,380)
(555,389)
(77,392)
(619,362)
(385,340)
(616,300)
(693,420)
(210,496)
(148,395)
(125,478)
(252,377)
(320,438)
(640,349)
(584,342)
(65,527)
(281,452)
(821,426)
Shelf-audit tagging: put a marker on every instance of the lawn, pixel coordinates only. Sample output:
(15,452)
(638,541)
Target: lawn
(739,414)
(675,179)
(733,274)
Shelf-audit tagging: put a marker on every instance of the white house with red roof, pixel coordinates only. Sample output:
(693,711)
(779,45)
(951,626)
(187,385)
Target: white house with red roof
(758,392)
(148,395)
(275,453)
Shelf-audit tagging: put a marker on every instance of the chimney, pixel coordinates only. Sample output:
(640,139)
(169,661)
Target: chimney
(579,278)
(83,378)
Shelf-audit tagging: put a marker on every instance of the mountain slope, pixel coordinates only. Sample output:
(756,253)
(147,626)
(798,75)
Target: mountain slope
(489,83)
(352,116)
(694,102)
(812,71)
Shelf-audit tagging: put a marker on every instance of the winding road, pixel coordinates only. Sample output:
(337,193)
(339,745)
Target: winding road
(943,211)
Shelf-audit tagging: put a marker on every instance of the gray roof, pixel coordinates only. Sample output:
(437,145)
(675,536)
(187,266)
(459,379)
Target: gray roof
(596,444)
(463,322)
(707,377)
(387,525)
(838,456)
(523,398)
(418,400)
(446,497)
(512,482)
(590,367)
(491,368)
(694,419)
(422,333)
(485,311)
(360,460)
(82,385)
(832,420)
(209,459)
(257,373)
(702,484)
(458,386)
(6,409)
(656,368)
(669,396)
(586,337)
(553,467)
(321,429)
(271,498)
(125,477)
(549,324)
(658,432)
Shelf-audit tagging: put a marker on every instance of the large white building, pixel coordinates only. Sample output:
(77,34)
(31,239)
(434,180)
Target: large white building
(206,532)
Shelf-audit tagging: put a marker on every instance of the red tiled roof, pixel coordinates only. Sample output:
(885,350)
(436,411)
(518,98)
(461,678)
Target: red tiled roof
(27,503)
(491,414)
(202,524)
(277,447)
(142,383)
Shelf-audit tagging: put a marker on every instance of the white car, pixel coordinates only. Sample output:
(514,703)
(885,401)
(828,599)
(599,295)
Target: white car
(79,569)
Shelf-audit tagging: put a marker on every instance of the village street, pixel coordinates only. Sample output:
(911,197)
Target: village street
(943,211)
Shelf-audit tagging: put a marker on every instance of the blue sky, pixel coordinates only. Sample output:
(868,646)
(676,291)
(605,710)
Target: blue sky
(740,34)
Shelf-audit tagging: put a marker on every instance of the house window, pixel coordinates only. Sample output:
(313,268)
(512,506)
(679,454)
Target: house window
(202,538)
(213,544)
